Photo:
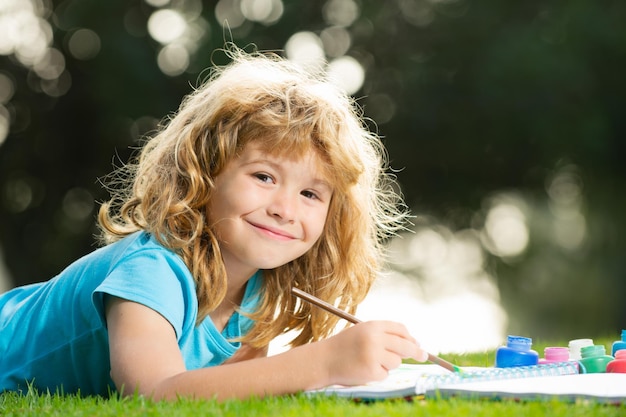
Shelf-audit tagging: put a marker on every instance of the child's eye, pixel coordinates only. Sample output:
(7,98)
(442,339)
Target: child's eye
(264,177)
(310,194)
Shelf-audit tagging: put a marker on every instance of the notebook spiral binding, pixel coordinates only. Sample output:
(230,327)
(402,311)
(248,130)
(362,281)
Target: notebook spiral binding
(492,374)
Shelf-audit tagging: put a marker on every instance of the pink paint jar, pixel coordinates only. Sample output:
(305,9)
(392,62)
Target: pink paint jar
(555,354)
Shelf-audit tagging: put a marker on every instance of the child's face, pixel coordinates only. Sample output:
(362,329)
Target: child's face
(268,210)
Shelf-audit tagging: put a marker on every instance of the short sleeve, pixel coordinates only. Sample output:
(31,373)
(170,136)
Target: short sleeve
(157,279)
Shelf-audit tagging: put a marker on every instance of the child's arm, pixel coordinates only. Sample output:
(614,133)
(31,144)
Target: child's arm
(145,358)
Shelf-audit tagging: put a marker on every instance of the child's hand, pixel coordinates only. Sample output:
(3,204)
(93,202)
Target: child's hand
(367,351)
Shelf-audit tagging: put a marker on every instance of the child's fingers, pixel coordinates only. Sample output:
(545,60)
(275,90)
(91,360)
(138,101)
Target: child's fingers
(368,351)
(404,345)
(403,349)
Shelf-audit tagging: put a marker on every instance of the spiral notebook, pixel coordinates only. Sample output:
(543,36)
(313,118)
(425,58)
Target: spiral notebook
(598,387)
(431,380)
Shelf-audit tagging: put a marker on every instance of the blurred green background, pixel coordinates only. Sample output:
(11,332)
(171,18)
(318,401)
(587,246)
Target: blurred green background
(505,122)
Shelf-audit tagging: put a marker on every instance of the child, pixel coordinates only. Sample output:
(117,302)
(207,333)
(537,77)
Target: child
(265,179)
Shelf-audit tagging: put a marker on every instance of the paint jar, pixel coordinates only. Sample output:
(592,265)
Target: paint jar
(594,359)
(575,346)
(619,344)
(555,354)
(618,365)
(517,352)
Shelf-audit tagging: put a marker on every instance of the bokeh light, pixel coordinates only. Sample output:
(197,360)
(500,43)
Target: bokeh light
(22,191)
(166,25)
(340,12)
(84,44)
(18,195)
(24,32)
(266,12)
(439,273)
(78,204)
(7,89)
(347,73)
(381,107)
(5,122)
(180,32)
(157,3)
(26,35)
(228,14)
(506,231)
(564,189)
(173,59)
(232,14)
(50,65)
(336,41)
(306,49)
(419,13)
(142,126)
(6,281)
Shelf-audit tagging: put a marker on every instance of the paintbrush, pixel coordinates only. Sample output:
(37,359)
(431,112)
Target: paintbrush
(349,317)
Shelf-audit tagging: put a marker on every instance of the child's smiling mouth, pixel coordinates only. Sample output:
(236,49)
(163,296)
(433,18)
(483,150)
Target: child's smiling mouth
(272,231)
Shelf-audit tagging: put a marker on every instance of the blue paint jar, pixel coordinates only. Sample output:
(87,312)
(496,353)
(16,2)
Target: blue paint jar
(517,352)
(619,344)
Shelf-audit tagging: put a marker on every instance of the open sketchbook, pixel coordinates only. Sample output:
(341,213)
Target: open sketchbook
(560,380)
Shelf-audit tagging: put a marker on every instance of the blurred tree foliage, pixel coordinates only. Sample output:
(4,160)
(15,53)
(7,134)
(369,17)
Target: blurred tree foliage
(472,97)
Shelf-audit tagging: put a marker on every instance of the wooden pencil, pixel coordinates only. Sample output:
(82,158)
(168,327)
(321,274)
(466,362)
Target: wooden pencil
(352,319)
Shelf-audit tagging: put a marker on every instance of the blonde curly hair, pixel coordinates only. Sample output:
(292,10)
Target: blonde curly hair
(263,98)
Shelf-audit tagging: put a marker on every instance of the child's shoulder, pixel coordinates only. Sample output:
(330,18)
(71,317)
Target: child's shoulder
(137,241)
(139,247)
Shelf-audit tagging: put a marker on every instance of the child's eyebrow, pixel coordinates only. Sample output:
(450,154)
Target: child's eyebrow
(318,182)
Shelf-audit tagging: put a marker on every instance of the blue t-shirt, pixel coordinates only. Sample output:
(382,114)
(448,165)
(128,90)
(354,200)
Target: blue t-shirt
(54,334)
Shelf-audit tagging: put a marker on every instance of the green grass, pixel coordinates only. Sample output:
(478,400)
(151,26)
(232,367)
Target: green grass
(297,406)
(33,404)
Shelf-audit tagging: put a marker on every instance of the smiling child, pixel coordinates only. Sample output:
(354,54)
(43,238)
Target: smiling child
(265,178)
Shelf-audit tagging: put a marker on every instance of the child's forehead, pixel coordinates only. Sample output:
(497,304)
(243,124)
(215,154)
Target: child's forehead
(254,150)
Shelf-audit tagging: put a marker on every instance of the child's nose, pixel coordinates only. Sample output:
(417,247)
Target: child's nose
(284,206)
